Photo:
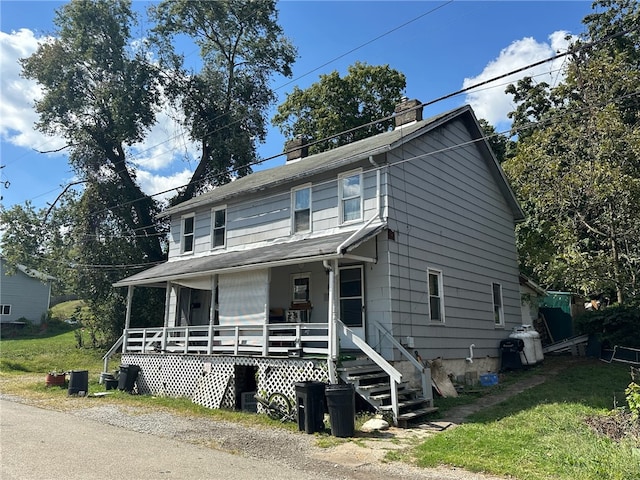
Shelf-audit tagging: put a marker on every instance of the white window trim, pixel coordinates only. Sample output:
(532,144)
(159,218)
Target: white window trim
(493,306)
(3,306)
(341,198)
(293,208)
(213,227)
(438,273)
(183,218)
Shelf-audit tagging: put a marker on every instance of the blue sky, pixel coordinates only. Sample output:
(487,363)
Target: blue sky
(441,47)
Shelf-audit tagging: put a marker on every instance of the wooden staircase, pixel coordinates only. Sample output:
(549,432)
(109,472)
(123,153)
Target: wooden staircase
(374,385)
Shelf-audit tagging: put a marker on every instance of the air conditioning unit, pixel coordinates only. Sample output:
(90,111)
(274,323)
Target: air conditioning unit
(297,316)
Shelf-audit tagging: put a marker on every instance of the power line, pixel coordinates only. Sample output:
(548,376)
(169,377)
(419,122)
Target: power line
(378,37)
(421,105)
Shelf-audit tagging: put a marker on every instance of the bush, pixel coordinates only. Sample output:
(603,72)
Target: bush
(615,325)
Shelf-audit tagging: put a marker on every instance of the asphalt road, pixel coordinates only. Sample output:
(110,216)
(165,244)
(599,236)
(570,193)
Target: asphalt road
(45,444)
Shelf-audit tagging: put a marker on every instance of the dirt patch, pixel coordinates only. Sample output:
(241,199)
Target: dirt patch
(618,425)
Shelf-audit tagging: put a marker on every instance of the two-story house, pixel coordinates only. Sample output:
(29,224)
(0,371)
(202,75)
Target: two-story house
(396,247)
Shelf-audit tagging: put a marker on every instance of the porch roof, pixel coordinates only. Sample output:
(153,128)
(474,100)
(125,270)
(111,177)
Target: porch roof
(285,253)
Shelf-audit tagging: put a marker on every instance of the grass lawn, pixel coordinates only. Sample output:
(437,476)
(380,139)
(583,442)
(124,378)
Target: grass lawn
(539,434)
(542,433)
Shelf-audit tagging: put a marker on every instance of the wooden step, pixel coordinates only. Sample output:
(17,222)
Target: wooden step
(406,404)
(414,415)
(374,388)
(355,363)
(366,376)
(387,395)
(360,369)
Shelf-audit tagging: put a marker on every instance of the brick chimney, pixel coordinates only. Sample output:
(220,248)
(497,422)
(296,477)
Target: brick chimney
(408,111)
(296,149)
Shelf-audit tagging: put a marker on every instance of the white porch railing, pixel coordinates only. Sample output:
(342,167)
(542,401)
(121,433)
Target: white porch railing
(279,339)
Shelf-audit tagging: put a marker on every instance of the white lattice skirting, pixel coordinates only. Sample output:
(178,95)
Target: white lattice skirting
(210,380)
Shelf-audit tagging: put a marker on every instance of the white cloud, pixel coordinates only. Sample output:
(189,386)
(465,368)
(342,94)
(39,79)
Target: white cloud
(489,101)
(17,95)
(166,143)
(153,184)
(165,146)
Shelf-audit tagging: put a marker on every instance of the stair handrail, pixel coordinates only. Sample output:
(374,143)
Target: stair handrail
(394,375)
(110,352)
(425,371)
(389,369)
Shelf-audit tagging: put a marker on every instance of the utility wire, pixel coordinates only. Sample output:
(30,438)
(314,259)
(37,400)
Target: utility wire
(420,105)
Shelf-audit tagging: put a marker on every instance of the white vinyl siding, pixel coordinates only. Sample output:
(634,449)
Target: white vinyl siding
(448,213)
(350,190)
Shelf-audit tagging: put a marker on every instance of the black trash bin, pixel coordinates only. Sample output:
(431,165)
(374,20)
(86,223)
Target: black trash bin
(341,402)
(510,349)
(78,382)
(310,406)
(127,377)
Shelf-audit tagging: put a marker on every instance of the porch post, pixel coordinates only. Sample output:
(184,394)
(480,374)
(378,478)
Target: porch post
(336,311)
(212,314)
(127,318)
(331,324)
(167,301)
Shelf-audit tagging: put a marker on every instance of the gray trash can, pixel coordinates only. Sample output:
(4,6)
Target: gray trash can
(341,402)
(310,406)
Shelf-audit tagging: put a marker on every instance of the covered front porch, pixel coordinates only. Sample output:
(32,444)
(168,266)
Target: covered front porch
(302,300)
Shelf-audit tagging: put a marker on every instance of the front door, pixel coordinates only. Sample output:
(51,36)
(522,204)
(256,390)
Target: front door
(352,302)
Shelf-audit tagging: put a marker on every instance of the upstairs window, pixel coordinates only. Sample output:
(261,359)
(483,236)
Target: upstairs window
(301,208)
(186,241)
(436,297)
(350,186)
(498,310)
(5,309)
(218,227)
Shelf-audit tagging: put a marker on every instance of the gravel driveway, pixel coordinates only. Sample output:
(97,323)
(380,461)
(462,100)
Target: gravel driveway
(358,460)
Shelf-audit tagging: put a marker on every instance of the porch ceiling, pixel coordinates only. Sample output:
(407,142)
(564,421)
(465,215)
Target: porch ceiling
(285,253)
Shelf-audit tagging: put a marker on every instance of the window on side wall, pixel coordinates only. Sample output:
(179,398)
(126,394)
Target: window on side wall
(218,227)
(498,310)
(436,295)
(187,237)
(301,209)
(5,309)
(350,190)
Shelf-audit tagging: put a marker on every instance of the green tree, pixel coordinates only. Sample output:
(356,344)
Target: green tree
(498,142)
(577,163)
(30,240)
(101,94)
(342,104)
(225,102)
